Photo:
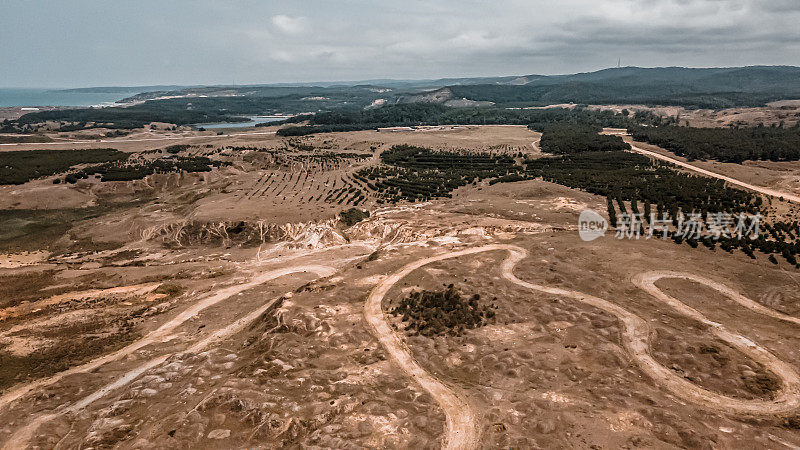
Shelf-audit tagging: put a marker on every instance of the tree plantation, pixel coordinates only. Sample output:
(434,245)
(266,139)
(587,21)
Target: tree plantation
(734,145)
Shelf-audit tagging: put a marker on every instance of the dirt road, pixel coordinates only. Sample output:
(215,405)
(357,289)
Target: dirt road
(21,437)
(462,428)
(462,424)
(708,173)
(463,418)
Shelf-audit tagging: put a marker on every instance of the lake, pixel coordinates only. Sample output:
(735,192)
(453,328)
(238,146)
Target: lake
(255,120)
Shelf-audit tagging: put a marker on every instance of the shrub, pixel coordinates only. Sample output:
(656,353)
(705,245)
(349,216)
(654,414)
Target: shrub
(352,216)
(433,313)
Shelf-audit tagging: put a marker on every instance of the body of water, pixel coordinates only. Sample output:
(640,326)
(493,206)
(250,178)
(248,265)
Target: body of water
(50,97)
(255,120)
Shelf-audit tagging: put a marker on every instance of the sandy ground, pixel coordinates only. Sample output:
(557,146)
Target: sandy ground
(120,337)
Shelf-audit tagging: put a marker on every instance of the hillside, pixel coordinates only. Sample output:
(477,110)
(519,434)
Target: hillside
(715,88)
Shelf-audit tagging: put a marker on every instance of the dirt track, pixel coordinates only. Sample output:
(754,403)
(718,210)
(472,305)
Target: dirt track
(21,437)
(462,424)
(462,431)
(763,190)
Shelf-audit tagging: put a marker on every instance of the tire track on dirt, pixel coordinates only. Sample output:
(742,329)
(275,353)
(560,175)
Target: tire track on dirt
(636,335)
(162,334)
(462,428)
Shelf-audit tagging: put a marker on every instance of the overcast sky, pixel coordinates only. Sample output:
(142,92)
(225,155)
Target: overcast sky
(59,43)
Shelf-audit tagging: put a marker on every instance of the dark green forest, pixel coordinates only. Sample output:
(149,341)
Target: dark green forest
(417,114)
(734,145)
(18,167)
(419,174)
(692,88)
(626,177)
(560,139)
(136,170)
(342,106)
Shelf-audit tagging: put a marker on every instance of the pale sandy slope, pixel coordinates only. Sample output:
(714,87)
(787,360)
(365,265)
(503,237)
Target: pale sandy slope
(22,436)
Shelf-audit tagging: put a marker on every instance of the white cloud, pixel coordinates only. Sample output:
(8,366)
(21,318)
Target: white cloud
(289,25)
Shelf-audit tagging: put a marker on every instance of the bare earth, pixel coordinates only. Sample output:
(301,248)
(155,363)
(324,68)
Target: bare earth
(146,323)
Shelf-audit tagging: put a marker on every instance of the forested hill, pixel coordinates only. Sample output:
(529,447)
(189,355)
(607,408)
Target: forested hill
(714,87)
(711,87)
(693,88)
(706,88)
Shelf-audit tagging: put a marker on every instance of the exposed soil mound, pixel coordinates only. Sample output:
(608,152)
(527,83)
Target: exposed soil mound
(189,233)
(433,313)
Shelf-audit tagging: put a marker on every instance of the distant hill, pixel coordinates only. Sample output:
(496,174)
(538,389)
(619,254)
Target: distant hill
(713,88)
(710,88)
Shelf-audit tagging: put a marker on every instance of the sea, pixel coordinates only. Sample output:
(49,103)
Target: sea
(55,97)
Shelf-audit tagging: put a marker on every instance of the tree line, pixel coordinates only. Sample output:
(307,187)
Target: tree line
(734,145)
(18,167)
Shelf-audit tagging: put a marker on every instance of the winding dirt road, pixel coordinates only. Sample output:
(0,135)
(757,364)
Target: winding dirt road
(22,436)
(462,431)
(463,421)
(462,425)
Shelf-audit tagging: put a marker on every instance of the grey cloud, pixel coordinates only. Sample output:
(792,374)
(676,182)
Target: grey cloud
(95,42)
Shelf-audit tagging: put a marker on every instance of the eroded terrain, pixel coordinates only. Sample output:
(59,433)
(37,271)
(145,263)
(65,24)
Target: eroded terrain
(237,308)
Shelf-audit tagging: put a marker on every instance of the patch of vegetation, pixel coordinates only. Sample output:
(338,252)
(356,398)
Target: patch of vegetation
(434,313)
(136,116)
(42,229)
(629,177)
(18,167)
(24,287)
(419,173)
(175,149)
(24,139)
(73,347)
(136,169)
(734,145)
(352,216)
(563,139)
(435,114)
(30,230)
